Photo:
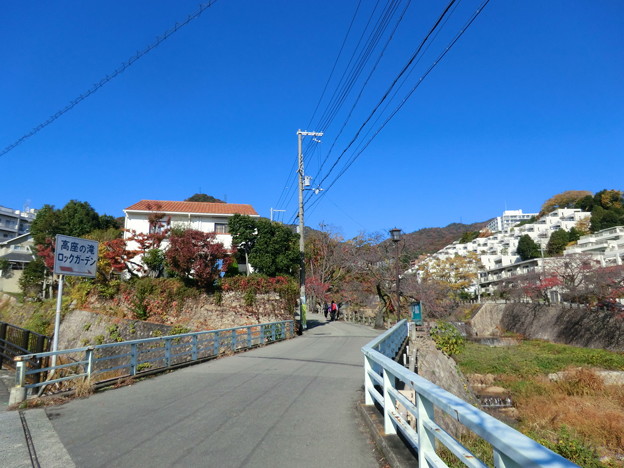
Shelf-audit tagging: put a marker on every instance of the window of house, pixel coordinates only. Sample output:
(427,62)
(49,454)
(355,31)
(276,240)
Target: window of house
(158,227)
(221,228)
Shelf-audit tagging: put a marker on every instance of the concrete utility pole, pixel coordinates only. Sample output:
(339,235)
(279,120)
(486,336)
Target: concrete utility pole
(302,291)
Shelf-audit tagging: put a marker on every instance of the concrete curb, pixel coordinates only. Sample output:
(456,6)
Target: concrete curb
(31,441)
(395,451)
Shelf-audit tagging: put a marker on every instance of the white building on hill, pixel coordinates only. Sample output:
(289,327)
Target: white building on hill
(15,223)
(509,219)
(499,249)
(606,245)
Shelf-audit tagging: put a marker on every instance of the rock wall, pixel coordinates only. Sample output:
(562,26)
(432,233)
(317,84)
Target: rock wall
(577,326)
(442,370)
(80,328)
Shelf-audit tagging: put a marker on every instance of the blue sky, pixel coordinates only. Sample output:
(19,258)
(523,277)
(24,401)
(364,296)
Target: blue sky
(528,103)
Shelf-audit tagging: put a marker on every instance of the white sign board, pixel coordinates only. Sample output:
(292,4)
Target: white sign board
(75,256)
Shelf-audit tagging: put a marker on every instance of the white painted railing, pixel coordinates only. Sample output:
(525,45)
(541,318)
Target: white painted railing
(511,449)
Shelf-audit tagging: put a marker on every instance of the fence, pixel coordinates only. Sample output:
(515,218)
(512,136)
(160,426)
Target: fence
(16,341)
(382,376)
(129,358)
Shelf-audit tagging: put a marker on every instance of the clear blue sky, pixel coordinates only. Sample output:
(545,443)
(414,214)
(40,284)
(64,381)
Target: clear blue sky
(528,103)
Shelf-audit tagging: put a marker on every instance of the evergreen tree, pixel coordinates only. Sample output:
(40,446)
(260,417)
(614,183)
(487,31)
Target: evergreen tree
(271,247)
(557,242)
(527,248)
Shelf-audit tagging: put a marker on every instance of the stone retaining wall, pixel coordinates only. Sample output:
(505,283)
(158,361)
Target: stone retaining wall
(558,324)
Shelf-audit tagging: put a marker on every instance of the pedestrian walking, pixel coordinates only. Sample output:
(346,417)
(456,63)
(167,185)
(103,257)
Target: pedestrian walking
(333,310)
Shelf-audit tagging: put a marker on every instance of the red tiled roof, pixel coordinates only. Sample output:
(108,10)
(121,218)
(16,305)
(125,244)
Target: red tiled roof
(192,207)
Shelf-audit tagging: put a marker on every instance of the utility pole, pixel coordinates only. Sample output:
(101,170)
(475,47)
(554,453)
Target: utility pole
(302,291)
(274,211)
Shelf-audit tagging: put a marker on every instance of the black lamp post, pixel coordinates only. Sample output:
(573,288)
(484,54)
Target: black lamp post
(395,234)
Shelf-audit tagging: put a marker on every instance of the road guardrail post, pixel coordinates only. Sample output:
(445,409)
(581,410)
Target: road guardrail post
(18,393)
(167,352)
(194,353)
(368,382)
(388,383)
(89,356)
(426,439)
(133,359)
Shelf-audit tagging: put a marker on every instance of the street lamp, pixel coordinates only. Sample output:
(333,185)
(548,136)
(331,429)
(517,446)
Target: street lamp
(395,234)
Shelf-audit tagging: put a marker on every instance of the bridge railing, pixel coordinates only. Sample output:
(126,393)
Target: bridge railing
(113,361)
(382,376)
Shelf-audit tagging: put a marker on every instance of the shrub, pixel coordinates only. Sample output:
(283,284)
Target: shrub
(447,338)
(79,291)
(565,444)
(179,330)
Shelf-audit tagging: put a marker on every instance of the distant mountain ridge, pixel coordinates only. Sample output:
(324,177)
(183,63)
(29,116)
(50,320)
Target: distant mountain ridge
(430,240)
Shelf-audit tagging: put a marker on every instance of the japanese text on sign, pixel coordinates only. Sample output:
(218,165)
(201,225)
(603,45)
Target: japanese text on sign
(75,256)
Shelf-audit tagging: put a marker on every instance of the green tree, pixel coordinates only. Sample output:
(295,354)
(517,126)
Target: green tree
(202,197)
(557,243)
(275,251)
(574,235)
(271,248)
(78,218)
(46,224)
(32,277)
(468,237)
(244,231)
(607,210)
(154,260)
(527,248)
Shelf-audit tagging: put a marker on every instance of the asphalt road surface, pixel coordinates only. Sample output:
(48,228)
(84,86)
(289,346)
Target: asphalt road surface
(290,404)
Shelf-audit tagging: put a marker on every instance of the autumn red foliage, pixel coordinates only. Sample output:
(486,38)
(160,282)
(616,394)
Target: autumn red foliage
(198,256)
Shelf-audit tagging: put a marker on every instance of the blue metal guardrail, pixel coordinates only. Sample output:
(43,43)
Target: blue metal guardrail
(511,449)
(130,358)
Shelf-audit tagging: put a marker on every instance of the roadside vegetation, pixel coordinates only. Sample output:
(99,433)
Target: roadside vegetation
(575,414)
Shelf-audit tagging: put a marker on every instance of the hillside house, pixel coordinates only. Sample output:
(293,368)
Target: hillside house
(18,253)
(201,216)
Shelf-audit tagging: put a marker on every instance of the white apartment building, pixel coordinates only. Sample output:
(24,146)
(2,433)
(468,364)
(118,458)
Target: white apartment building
(499,249)
(509,219)
(15,223)
(606,245)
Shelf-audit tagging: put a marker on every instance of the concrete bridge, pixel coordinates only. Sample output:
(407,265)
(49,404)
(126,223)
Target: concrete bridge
(292,403)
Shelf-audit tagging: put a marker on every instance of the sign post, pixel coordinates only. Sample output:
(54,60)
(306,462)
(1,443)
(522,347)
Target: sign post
(75,257)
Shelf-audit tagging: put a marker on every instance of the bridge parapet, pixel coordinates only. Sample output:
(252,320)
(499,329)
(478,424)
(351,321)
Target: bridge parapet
(382,375)
(113,361)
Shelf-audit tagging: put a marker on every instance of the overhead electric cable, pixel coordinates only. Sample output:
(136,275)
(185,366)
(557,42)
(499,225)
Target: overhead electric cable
(392,85)
(422,78)
(107,78)
(357,99)
(331,74)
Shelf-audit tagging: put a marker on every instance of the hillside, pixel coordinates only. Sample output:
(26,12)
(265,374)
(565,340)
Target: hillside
(430,240)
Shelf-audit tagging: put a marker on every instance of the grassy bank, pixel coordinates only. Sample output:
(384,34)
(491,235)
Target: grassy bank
(577,415)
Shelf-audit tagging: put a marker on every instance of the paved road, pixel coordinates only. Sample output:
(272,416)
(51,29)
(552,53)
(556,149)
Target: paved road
(289,404)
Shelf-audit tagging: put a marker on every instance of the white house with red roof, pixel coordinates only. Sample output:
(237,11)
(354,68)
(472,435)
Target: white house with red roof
(202,216)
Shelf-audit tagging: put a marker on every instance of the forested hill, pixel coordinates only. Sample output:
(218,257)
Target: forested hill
(430,240)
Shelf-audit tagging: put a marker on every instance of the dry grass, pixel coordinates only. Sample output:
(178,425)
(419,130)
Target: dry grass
(580,401)
(83,388)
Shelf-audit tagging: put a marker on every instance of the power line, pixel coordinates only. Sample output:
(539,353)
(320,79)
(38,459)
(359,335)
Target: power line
(396,110)
(364,49)
(159,40)
(392,85)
